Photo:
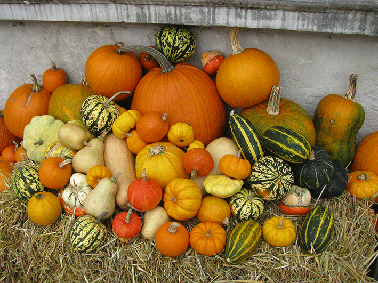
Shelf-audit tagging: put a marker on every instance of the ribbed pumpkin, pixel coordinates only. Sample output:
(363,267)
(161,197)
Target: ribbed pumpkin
(208,238)
(279,111)
(172,239)
(6,137)
(366,157)
(186,93)
(242,241)
(88,233)
(163,162)
(246,77)
(66,101)
(26,102)
(279,231)
(246,205)
(214,209)
(109,69)
(363,184)
(25,183)
(337,120)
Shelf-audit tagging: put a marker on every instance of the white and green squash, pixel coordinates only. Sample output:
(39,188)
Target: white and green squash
(25,183)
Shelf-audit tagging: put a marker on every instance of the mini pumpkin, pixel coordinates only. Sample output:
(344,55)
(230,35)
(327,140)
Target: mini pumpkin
(362,184)
(181,134)
(214,209)
(172,239)
(55,172)
(148,61)
(9,153)
(96,173)
(44,208)
(208,238)
(235,167)
(182,199)
(152,126)
(198,162)
(134,142)
(211,61)
(279,231)
(53,78)
(126,225)
(6,169)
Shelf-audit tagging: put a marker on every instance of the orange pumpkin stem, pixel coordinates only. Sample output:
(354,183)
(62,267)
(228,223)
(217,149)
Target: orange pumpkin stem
(173,227)
(53,66)
(236,48)
(64,163)
(280,225)
(351,93)
(273,107)
(363,177)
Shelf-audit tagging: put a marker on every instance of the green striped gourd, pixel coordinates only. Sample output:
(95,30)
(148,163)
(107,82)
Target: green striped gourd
(26,183)
(99,113)
(246,137)
(243,241)
(317,230)
(246,205)
(287,144)
(177,44)
(271,178)
(56,149)
(316,171)
(88,233)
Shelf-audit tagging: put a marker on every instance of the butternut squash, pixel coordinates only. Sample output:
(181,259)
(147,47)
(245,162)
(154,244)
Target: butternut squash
(119,158)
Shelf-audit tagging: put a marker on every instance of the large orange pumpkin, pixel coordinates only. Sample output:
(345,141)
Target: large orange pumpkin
(111,69)
(366,158)
(6,137)
(246,76)
(66,101)
(186,93)
(26,102)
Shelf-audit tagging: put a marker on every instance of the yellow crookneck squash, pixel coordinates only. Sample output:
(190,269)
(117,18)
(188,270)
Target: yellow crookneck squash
(337,120)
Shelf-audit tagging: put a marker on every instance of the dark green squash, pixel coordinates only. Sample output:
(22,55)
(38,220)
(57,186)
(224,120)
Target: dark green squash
(317,230)
(176,43)
(336,185)
(314,172)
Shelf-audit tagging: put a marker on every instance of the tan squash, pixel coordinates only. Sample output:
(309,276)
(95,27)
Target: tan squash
(152,220)
(73,136)
(119,158)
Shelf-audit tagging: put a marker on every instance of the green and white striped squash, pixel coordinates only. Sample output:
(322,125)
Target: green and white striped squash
(88,233)
(246,137)
(315,171)
(271,177)
(176,43)
(56,149)
(26,183)
(99,113)
(246,205)
(317,230)
(243,241)
(286,144)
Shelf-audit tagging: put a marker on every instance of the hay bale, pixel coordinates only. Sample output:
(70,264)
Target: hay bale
(31,253)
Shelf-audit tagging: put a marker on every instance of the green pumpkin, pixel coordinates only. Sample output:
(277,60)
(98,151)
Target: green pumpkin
(99,113)
(243,241)
(26,183)
(314,172)
(176,43)
(88,233)
(317,230)
(286,144)
(271,178)
(246,205)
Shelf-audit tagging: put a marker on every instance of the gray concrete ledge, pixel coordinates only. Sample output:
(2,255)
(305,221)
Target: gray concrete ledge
(354,17)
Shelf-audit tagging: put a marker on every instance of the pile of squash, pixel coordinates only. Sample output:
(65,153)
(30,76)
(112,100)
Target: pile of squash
(73,147)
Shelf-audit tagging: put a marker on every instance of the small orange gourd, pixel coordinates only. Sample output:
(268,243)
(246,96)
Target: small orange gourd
(152,126)
(53,78)
(362,184)
(234,166)
(198,162)
(208,238)
(44,208)
(55,172)
(96,173)
(134,142)
(214,209)
(126,225)
(172,239)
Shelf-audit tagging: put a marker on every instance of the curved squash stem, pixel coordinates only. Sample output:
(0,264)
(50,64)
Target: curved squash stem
(173,227)
(163,61)
(351,93)
(236,48)
(35,88)
(64,163)
(144,175)
(106,103)
(128,216)
(98,219)
(273,107)
(53,66)
(280,225)
(114,179)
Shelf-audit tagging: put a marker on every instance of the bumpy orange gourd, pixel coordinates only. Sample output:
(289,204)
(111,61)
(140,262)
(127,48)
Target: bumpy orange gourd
(279,111)
(109,69)
(96,173)
(214,209)
(53,78)
(172,239)
(186,93)
(134,142)
(55,172)
(152,126)
(26,102)
(163,162)
(235,167)
(246,76)
(208,238)
(182,199)
(366,158)
(362,184)
(44,208)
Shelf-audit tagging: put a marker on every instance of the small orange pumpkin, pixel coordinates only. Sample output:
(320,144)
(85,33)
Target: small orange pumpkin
(152,126)
(44,208)
(198,162)
(134,142)
(9,153)
(362,184)
(234,166)
(148,61)
(208,238)
(126,225)
(55,172)
(53,78)
(214,209)
(96,173)
(172,239)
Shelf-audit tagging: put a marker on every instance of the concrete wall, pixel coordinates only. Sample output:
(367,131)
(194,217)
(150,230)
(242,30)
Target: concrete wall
(312,64)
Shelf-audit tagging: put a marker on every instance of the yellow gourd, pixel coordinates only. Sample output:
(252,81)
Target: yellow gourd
(279,231)
(125,122)
(181,134)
